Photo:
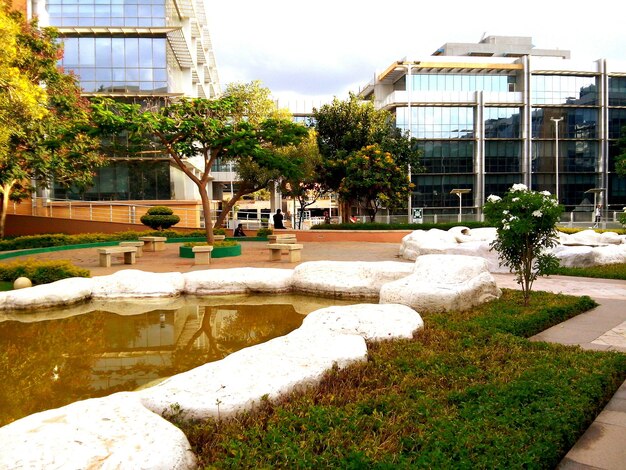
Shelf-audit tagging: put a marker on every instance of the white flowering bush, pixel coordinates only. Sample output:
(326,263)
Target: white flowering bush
(525,222)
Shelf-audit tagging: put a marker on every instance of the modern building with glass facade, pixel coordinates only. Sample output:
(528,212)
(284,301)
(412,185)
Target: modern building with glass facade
(134,50)
(501,112)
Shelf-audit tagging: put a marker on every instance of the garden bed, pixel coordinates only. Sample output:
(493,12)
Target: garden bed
(218,251)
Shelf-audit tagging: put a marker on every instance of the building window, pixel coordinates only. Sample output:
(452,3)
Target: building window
(464,83)
(560,89)
(432,122)
(116,13)
(129,64)
(445,156)
(503,156)
(502,123)
(577,123)
(617,91)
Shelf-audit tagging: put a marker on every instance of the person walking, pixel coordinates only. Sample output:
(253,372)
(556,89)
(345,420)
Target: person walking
(598,216)
(278,220)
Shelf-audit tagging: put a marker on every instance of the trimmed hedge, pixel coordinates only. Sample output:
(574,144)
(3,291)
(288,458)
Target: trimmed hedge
(41,272)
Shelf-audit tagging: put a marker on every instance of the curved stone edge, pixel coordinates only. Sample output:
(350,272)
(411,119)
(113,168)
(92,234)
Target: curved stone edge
(112,432)
(329,278)
(104,432)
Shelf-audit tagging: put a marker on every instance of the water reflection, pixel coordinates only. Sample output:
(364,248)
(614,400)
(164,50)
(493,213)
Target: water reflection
(51,358)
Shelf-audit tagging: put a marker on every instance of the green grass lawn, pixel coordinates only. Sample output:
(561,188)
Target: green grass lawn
(468,391)
(608,271)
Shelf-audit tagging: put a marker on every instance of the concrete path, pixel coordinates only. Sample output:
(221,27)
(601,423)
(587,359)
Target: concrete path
(603,446)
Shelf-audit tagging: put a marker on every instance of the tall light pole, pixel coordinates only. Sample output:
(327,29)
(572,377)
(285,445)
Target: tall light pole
(556,153)
(459,193)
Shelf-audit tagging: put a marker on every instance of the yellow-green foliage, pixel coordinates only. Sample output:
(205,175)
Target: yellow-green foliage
(40,272)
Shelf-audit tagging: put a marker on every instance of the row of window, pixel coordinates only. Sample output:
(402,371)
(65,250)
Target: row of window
(432,122)
(545,89)
(129,13)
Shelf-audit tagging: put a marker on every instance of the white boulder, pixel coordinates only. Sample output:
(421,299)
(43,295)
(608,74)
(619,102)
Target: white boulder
(137,284)
(348,279)
(443,283)
(582,256)
(238,281)
(374,322)
(64,292)
(109,433)
(240,381)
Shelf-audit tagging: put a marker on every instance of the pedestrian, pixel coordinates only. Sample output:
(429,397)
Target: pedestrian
(598,216)
(278,219)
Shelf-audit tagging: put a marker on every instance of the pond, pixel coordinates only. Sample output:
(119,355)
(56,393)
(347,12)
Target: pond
(55,357)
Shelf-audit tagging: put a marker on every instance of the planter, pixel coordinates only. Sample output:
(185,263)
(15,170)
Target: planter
(218,251)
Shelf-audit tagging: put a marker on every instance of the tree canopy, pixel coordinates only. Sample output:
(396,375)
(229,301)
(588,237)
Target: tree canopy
(46,133)
(344,130)
(194,133)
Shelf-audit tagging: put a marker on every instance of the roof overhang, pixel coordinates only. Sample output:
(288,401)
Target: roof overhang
(398,69)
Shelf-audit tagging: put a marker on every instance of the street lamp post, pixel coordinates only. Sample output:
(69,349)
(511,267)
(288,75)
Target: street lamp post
(556,153)
(460,192)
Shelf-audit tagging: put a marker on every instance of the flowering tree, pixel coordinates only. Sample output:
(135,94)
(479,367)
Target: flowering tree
(525,223)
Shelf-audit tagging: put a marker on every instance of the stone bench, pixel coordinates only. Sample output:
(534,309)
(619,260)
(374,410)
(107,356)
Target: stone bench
(276,250)
(153,243)
(219,238)
(202,254)
(129,253)
(283,238)
(137,244)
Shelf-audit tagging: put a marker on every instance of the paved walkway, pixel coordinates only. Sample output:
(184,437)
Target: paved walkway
(603,446)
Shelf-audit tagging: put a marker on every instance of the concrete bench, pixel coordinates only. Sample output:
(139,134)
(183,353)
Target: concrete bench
(283,238)
(129,253)
(153,243)
(137,244)
(202,254)
(219,238)
(293,249)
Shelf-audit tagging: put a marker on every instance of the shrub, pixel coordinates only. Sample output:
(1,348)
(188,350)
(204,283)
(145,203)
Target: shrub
(216,244)
(160,218)
(622,217)
(219,231)
(264,232)
(525,223)
(41,272)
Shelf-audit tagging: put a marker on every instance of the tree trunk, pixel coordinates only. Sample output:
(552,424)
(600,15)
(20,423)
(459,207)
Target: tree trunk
(229,205)
(6,193)
(206,208)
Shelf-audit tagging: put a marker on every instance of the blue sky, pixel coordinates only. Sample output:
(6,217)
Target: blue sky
(319,49)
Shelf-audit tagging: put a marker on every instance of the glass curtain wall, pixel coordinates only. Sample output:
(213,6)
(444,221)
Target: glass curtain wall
(617,129)
(573,100)
(110,60)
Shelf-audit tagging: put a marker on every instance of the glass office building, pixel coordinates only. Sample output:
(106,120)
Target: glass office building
(138,51)
(501,112)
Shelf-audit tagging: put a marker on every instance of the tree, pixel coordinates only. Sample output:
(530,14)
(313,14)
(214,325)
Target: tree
(194,133)
(345,128)
(305,187)
(253,104)
(47,132)
(375,180)
(525,223)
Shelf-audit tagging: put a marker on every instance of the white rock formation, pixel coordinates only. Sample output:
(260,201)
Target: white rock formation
(364,320)
(59,293)
(135,283)
(581,249)
(110,433)
(442,283)
(238,281)
(347,279)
